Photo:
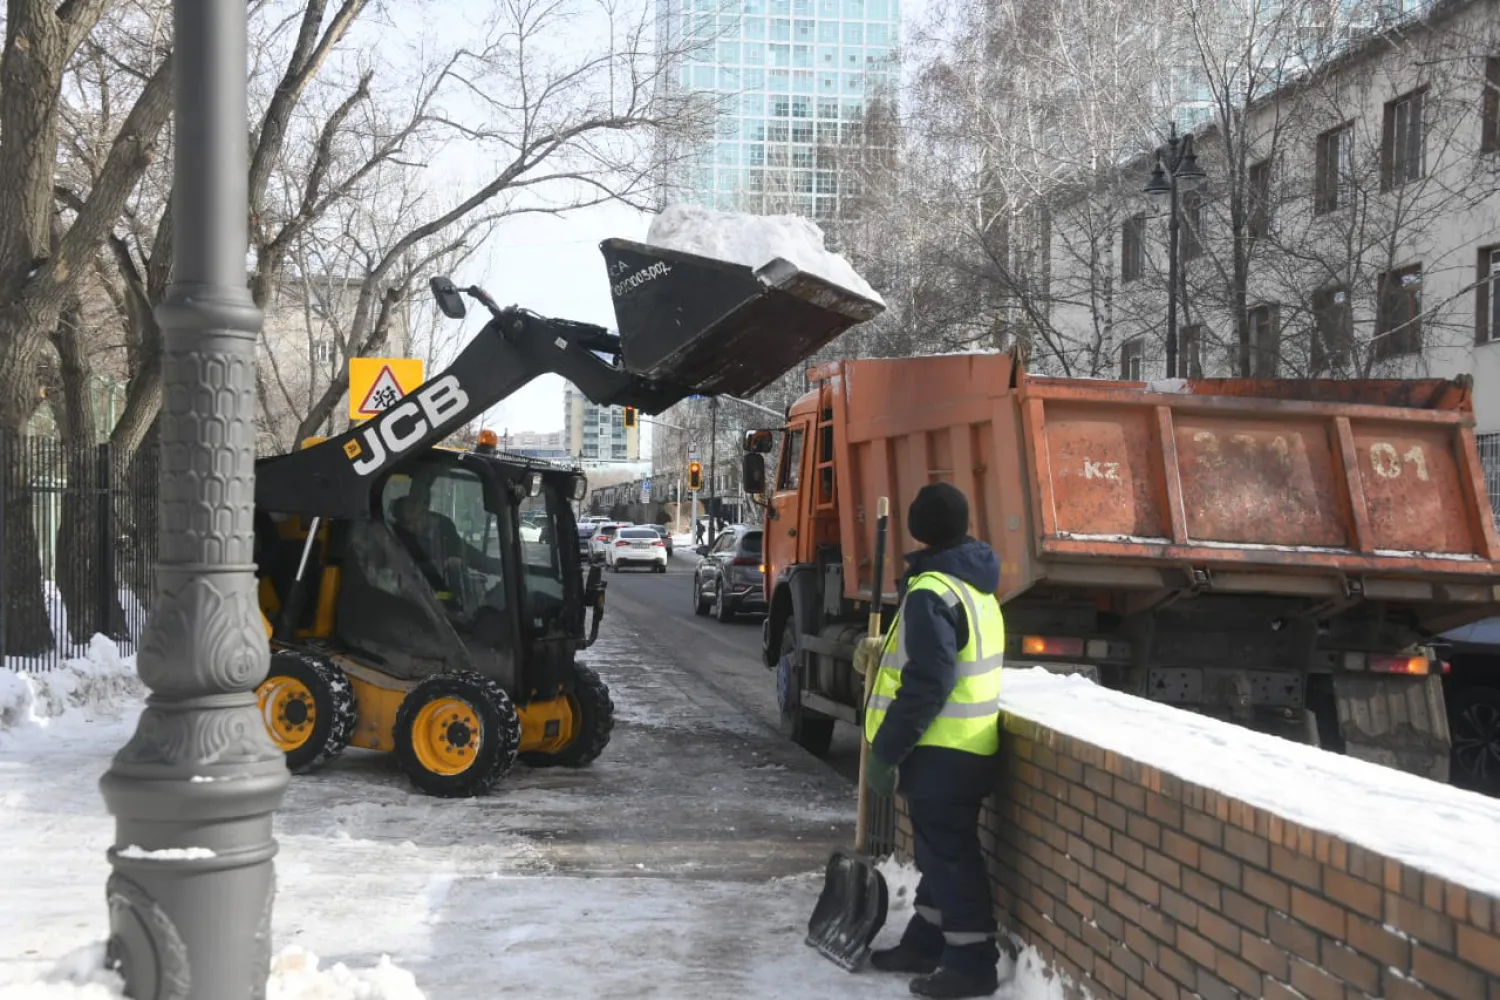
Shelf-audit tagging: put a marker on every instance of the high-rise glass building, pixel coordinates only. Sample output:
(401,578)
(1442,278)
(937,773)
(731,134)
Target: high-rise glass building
(793,80)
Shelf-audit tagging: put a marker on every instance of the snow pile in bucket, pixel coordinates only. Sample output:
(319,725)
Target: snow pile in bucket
(295,975)
(101,685)
(755,240)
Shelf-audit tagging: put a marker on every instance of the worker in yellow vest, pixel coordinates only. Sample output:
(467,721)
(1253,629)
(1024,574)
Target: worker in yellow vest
(933,718)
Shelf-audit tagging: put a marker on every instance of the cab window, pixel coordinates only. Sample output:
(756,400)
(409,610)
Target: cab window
(790,474)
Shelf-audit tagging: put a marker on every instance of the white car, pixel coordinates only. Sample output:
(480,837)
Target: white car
(604,536)
(639,547)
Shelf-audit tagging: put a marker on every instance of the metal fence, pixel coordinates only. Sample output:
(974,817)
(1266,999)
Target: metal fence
(77,544)
(1489,456)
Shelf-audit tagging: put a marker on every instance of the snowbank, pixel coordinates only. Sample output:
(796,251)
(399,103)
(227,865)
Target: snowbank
(103,684)
(1434,828)
(755,240)
(294,975)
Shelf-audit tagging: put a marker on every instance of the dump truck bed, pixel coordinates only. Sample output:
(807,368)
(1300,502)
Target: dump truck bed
(1334,490)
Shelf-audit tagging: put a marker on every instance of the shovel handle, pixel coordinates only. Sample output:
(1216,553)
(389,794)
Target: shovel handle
(877,595)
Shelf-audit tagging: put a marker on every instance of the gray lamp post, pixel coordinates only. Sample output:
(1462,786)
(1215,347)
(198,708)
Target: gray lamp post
(1176,170)
(194,790)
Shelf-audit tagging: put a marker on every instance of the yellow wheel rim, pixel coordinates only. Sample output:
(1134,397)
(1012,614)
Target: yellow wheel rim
(289,711)
(447,736)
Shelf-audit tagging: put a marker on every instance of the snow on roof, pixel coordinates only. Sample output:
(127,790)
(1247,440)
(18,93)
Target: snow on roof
(1435,828)
(755,240)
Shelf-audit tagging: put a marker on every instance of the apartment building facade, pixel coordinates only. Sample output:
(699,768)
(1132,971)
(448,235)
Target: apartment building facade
(597,433)
(1348,226)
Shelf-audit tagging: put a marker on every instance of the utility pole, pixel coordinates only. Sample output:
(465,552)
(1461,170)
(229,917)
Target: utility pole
(195,790)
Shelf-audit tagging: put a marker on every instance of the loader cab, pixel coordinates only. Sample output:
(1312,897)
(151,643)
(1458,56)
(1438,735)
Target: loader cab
(464,562)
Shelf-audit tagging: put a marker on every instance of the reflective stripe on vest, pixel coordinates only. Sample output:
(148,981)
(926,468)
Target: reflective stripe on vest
(971,718)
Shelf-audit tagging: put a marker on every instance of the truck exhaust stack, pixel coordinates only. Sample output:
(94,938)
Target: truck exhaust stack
(721,327)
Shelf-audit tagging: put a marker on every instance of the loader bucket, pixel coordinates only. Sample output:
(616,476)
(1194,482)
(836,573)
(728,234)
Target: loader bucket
(718,327)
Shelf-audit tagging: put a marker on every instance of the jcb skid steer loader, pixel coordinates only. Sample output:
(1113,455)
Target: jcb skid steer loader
(430,602)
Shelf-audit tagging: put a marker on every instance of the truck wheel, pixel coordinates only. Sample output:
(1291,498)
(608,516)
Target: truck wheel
(456,735)
(308,707)
(1474,718)
(810,730)
(594,719)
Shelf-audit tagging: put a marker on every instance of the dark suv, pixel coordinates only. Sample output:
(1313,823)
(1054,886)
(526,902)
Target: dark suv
(730,578)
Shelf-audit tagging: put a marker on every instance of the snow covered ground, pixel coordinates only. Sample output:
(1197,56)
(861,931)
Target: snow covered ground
(1433,828)
(755,240)
(684,863)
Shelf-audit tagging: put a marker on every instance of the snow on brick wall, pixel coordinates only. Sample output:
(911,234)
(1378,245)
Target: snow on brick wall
(1132,882)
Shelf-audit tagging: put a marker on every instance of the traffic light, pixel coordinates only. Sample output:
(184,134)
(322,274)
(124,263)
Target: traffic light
(629,416)
(695,476)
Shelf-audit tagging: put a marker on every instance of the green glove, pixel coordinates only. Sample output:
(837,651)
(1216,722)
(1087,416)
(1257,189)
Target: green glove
(880,777)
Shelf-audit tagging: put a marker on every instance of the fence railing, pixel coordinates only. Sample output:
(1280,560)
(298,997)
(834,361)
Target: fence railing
(77,544)
(1489,456)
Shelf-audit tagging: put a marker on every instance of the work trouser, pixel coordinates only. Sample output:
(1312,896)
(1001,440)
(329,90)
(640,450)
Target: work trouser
(944,790)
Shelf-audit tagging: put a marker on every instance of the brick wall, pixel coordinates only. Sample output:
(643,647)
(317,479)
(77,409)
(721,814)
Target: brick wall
(1132,883)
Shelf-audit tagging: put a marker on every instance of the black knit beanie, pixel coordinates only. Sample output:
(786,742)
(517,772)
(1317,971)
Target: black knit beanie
(939,516)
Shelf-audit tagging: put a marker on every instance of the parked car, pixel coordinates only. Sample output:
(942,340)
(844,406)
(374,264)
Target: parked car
(730,578)
(637,547)
(604,536)
(665,534)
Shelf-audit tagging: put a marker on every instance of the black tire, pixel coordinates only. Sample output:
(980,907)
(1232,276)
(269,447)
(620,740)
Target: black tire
(596,722)
(331,712)
(499,734)
(700,606)
(660,568)
(812,731)
(1474,721)
(723,610)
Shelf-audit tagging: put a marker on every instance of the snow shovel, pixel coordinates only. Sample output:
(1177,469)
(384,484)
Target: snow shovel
(852,908)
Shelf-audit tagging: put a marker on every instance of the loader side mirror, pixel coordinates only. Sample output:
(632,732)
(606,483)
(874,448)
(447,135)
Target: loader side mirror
(753,473)
(448,298)
(760,442)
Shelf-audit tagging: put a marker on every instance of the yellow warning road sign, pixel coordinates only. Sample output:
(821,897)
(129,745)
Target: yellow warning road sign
(376,384)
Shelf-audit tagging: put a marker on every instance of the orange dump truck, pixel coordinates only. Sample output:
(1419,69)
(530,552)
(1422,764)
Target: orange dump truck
(1276,553)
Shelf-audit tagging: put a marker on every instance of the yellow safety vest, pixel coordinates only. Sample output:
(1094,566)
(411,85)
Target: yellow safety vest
(970,721)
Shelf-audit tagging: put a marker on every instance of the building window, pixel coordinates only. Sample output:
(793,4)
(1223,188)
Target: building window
(1192,225)
(1333,330)
(1487,297)
(1133,248)
(1260,199)
(1402,149)
(1333,182)
(1265,341)
(1398,323)
(1190,351)
(1132,359)
(324,351)
(1489,105)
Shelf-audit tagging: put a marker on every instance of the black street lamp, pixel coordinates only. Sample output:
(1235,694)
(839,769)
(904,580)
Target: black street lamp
(1176,170)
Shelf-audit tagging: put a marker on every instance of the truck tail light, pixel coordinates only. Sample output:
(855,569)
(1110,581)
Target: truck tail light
(1416,666)
(1037,645)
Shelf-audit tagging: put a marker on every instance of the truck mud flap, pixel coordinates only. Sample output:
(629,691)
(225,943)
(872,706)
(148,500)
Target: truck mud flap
(718,327)
(1401,722)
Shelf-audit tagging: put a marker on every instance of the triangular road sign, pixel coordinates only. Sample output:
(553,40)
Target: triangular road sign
(385,392)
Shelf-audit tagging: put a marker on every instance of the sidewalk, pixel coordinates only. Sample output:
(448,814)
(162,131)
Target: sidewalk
(683,863)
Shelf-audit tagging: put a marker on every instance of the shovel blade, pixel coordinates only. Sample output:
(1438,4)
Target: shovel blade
(850,911)
(716,327)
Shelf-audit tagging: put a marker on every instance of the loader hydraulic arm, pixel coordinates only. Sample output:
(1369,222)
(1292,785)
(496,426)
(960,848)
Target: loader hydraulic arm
(333,479)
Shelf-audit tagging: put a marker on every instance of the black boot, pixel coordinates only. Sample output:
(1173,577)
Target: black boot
(918,953)
(951,984)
